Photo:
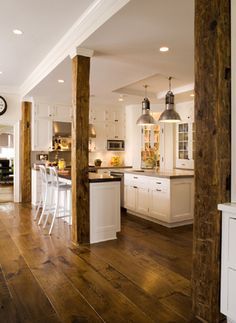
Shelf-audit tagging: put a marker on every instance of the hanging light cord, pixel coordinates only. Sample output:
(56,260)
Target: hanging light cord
(170,78)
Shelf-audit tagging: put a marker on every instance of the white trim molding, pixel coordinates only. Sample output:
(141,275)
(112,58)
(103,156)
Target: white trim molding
(177,90)
(82,52)
(94,17)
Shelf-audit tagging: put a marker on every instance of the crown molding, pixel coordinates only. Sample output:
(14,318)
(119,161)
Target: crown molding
(82,52)
(177,90)
(94,17)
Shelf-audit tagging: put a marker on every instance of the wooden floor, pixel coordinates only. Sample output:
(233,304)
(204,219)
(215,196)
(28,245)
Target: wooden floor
(143,276)
(6,193)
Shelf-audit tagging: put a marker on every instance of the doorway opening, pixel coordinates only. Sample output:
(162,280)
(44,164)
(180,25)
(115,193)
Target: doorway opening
(6,163)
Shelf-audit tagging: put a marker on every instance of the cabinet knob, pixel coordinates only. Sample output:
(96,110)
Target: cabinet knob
(135,177)
(135,187)
(158,190)
(158,182)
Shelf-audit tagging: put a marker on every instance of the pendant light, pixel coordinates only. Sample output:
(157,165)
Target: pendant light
(145,118)
(169,115)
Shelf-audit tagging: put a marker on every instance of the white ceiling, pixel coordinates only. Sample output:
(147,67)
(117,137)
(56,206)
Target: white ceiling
(126,51)
(43,22)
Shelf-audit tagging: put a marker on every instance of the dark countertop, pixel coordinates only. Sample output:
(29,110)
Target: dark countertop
(94,178)
(165,173)
(109,167)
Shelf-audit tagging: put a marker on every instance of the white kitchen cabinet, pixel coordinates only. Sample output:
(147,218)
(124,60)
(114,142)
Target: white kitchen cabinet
(185,134)
(166,201)
(115,131)
(108,124)
(130,197)
(62,113)
(41,134)
(101,136)
(228,261)
(142,200)
(115,115)
(42,110)
(136,193)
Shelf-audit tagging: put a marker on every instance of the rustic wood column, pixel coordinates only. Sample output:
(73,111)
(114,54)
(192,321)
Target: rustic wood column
(25,149)
(213,153)
(79,156)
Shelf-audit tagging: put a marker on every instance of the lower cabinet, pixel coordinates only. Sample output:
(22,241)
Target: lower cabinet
(228,262)
(166,201)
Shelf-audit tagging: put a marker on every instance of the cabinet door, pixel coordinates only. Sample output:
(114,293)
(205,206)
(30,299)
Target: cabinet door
(42,135)
(62,113)
(184,145)
(98,115)
(159,204)
(114,131)
(142,203)
(115,115)
(42,110)
(101,136)
(130,197)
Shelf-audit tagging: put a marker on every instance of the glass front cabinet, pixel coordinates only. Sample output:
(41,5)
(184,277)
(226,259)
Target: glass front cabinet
(150,142)
(185,134)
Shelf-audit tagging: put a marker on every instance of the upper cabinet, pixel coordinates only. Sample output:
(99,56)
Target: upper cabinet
(108,124)
(62,113)
(42,118)
(185,137)
(185,133)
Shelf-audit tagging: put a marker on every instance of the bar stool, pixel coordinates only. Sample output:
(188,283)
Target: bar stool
(55,192)
(44,192)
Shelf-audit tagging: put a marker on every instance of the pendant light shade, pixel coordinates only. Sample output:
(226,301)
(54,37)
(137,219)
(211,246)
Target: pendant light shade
(169,115)
(146,118)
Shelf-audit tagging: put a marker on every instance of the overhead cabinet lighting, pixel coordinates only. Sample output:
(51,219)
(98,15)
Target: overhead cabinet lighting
(146,118)
(169,115)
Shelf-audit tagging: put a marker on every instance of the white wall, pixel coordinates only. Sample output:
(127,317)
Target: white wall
(233,98)
(12,117)
(13,113)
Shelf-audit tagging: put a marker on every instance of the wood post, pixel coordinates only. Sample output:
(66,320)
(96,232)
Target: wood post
(25,149)
(79,157)
(213,151)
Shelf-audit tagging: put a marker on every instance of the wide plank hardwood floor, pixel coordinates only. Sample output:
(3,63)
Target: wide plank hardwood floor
(143,276)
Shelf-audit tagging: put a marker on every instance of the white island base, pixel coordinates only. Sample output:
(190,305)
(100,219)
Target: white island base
(105,215)
(104,211)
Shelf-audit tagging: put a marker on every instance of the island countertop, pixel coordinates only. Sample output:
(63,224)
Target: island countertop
(93,177)
(165,173)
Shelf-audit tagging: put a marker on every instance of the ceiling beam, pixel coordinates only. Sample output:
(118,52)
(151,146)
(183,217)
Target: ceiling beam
(93,18)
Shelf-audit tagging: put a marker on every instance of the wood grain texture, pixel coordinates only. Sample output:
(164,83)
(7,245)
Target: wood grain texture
(79,156)
(25,151)
(130,279)
(213,156)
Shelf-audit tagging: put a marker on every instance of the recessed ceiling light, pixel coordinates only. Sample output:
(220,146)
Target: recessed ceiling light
(60,81)
(0,72)
(192,94)
(164,49)
(17,32)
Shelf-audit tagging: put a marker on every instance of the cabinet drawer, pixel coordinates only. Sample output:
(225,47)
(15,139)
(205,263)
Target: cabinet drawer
(161,184)
(136,180)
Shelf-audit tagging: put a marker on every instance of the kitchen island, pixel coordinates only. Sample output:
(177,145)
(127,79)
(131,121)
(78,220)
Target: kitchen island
(163,196)
(104,203)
